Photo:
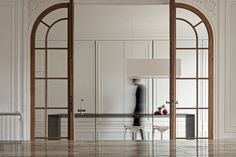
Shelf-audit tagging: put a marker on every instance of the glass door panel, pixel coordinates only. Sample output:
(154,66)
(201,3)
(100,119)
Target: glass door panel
(40,35)
(203,63)
(40,63)
(52,99)
(56,33)
(203,93)
(192,87)
(57,63)
(186,93)
(188,15)
(40,123)
(57,124)
(40,93)
(203,123)
(186,123)
(57,93)
(55,15)
(202,34)
(188,63)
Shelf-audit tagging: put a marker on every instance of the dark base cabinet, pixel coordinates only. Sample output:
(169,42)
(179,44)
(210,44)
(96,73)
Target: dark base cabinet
(54,122)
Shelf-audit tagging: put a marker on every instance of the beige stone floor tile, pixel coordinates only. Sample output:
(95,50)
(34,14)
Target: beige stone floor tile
(181,148)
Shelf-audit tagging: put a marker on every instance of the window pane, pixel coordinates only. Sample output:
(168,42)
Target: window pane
(203,93)
(188,62)
(203,63)
(40,123)
(186,43)
(40,63)
(185,32)
(187,15)
(40,93)
(186,93)
(57,93)
(186,123)
(57,63)
(57,36)
(57,123)
(203,123)
(55,15)
(202,32)
(40,35)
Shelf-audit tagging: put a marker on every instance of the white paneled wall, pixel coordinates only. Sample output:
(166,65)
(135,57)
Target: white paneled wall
(114,91)
(110,76)
(226,119)
(84,75)
(10,68)
(10,128)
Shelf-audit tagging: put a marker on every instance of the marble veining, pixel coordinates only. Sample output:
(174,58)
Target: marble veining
(63,148)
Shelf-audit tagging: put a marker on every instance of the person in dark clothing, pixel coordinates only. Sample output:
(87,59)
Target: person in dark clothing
(139,103)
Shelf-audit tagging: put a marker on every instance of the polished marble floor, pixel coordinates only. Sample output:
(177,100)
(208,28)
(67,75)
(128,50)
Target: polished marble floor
(181,148)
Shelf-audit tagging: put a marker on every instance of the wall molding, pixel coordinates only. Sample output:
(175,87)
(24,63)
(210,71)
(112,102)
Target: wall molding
(15,77)
(229,112)
(13,5)
(208,7)
(88,104)
(121,2)
(35,7)
(225,129)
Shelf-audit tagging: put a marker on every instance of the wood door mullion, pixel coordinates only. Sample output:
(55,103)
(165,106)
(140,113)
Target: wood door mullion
(172,70)
(46,85)
(197,86)
(70,70)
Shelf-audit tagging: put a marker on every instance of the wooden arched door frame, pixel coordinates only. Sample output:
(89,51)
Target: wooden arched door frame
(173,40)
(70,39)
(173,7)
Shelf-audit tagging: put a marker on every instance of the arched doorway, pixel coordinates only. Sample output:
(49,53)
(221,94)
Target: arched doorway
(192,43)
(52,71)
(49,77)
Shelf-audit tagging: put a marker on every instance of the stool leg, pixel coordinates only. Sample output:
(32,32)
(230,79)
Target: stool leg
(135,135)
(153,131)
(161,135)
(125,133)
(142,134)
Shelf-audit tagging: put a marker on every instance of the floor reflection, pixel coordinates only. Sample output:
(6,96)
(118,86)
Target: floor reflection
(190,148)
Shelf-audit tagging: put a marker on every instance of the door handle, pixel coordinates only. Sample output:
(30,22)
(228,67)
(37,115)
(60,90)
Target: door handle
(168,102)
